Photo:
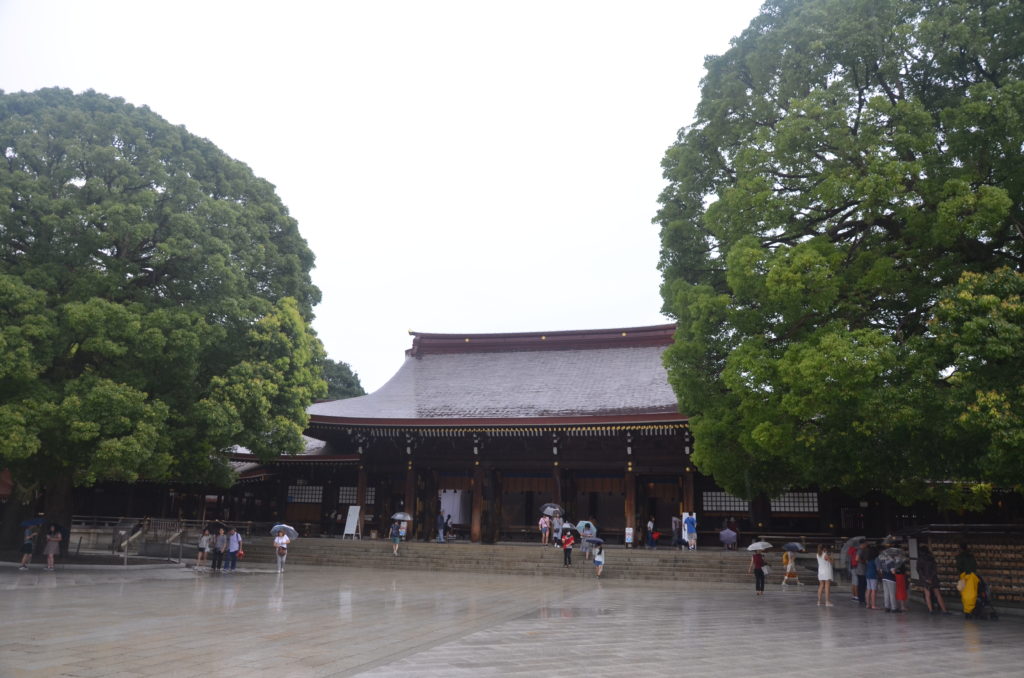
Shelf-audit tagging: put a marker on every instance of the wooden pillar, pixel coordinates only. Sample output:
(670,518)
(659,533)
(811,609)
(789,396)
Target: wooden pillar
(689,499)
(478,505)
(361,499)
(556,476)
(496,519)
(409,502)
(629,481)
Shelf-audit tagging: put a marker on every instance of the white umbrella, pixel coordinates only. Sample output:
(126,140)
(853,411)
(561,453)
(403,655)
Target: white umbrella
(401,515)
(288,530)
(759,546)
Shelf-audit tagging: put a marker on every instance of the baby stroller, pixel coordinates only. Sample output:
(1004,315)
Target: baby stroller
(984,609)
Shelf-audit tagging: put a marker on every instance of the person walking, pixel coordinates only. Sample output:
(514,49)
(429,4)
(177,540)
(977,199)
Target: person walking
(690,523)
(556,528)
(756,567)
(651,543)
(439,523)
(220,545)
(567,542)
(677,532)
(52,548)
(928,571)
(28,545)
(545,529)
(967,569)
(599,560)
(203,547)
(234,548)
(395,534)
(824,574)
(281,542)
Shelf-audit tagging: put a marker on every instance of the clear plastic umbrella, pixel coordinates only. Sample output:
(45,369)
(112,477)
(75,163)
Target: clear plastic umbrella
(401,515)
(290,531)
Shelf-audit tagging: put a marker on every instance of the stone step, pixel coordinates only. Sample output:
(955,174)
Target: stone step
(711,566)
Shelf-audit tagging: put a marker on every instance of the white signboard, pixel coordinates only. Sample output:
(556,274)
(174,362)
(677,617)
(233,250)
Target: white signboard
(352,523)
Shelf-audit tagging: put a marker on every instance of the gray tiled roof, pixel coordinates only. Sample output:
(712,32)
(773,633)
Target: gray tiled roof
(518,385)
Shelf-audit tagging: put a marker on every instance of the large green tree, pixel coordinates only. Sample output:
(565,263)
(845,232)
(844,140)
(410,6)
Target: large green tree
(342,382)
(842,247)
(155,300)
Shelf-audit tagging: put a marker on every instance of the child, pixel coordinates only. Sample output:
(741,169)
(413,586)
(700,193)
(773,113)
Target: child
(599,559)
(567,542)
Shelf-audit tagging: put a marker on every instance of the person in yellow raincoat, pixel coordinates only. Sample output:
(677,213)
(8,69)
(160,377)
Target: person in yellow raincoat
(967,566)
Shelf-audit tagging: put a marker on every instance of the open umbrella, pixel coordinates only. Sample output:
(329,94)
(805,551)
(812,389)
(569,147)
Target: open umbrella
(586,525)
(892,556)
(759,546)
(290,531)
(793,546)
(215,525)
(568,526)
(32,521)
(844,557)
(594,540)
(727,536)
(550,509)
(401,515)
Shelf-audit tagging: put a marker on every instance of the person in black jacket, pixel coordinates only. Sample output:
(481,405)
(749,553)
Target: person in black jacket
(928,571)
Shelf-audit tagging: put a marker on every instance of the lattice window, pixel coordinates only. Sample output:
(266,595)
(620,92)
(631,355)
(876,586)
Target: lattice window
(724,502)
(347,495)
(305,494)
(795,502)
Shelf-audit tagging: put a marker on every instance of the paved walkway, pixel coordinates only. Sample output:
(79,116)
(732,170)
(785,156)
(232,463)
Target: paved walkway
(167,621)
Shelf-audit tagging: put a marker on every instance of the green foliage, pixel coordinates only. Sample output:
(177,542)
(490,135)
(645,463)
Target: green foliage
(850,161)
(154,298)
(342,382)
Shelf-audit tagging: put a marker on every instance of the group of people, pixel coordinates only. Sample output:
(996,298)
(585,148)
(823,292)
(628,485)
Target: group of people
(871,570)
(53,539)
(553,532)
(222,550)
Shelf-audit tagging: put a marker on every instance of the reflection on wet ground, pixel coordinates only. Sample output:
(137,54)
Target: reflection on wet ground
(341,622)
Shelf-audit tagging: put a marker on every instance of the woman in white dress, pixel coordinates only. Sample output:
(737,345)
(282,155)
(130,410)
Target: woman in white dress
(824,574)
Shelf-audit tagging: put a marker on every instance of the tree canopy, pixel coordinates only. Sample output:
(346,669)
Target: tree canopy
(342,382)
(154,299)
(842,243)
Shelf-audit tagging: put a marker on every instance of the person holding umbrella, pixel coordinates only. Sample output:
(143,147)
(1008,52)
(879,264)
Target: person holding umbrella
(757,567)
(281,542)
(395,534)
(28,542)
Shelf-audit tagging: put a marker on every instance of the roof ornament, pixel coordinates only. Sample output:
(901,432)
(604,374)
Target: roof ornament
(629,443)
(554,444)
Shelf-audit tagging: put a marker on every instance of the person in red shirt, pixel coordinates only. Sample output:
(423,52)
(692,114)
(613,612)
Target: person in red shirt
(567,542)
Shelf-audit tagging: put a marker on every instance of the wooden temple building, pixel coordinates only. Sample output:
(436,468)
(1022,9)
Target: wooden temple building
(487,428)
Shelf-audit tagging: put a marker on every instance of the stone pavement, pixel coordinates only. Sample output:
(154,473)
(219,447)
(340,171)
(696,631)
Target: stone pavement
(323,621)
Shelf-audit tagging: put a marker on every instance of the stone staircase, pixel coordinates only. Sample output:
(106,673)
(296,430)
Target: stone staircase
(705,566)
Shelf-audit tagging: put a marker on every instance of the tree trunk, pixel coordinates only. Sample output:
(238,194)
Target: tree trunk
(58,505)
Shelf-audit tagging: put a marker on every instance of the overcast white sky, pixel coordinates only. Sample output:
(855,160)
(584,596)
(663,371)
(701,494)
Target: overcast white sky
(466,166)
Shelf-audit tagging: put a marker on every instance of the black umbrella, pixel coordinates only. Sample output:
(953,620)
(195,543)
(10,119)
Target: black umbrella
(551,509)
(33,521)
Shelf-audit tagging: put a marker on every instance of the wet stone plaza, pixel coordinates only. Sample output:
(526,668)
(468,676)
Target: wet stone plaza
(169,621)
